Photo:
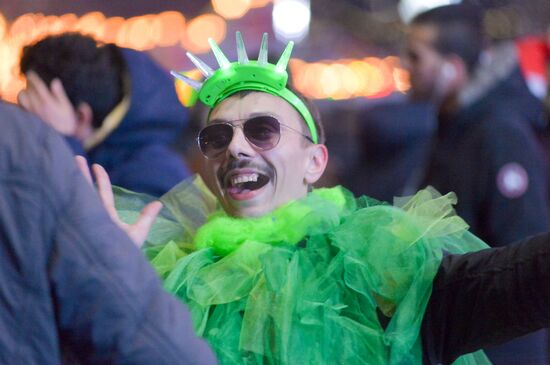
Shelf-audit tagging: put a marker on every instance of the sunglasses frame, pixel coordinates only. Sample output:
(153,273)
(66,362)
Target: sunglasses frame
(241,125)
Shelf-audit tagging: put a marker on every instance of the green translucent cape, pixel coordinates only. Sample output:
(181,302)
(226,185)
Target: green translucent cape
(308,283)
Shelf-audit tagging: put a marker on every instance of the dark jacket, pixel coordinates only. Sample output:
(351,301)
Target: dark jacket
(72,285)
(137,154)
(488,155)
(473,155)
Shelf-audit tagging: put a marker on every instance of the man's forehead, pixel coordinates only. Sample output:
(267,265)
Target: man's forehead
(253,104)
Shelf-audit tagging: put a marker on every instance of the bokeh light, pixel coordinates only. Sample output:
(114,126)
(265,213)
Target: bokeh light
(140,33)
(21,30)
(3,27)
(259,3)
(172,28)
(186,94)
(343,79)
(336,79)
(231,9)
(200,29)
(92,24)
(112,28)
(291,19)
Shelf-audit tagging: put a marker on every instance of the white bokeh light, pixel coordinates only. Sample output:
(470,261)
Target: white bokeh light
(291,19)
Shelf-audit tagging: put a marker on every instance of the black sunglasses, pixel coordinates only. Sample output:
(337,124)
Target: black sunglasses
(262,132)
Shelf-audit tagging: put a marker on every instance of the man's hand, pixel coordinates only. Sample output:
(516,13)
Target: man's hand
(52,104)
(137,231)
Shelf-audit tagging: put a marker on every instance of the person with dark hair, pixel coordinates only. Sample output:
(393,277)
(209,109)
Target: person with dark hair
(68,294)
(115,105)
(276,272)
(484,148)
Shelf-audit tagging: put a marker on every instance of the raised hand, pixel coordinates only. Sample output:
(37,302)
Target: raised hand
(137,231)
(51,104)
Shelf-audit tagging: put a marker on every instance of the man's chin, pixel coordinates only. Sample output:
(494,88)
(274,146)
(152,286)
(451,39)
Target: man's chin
(251,203)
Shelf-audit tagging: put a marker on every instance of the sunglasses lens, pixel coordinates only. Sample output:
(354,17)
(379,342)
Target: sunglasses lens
(214,139)
(264,132)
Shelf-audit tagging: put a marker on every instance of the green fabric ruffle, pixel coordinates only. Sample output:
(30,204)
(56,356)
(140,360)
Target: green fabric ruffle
(309,283)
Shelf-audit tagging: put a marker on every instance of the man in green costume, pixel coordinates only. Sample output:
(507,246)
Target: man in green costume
(277,273)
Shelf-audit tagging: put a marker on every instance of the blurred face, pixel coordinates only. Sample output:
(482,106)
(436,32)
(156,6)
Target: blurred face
(424,63)
(251,181)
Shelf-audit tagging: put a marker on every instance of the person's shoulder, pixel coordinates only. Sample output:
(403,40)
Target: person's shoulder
(23,134)
(153,169)
(505,112)
(15,120)
(503,120)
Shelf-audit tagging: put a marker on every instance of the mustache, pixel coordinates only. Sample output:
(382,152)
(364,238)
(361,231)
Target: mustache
(242,164)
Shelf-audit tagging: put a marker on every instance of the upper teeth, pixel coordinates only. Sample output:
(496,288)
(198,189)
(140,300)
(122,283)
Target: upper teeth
(239,179)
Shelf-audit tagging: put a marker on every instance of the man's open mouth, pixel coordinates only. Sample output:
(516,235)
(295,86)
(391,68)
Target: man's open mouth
(243,182)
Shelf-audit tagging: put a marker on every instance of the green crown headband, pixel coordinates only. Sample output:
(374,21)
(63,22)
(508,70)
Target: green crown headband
(245,74)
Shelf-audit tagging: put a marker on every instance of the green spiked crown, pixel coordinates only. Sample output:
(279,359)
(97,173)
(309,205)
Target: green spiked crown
(245,74)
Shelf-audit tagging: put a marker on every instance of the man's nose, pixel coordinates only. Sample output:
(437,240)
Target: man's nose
(239,146)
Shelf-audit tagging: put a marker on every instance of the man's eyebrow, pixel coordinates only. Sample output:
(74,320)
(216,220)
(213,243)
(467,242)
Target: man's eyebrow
(217,120)
(251,115)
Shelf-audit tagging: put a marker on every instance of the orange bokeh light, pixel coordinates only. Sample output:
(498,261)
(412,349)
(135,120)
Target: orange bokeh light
(371,78)
(69,21)
(329,81)
(112,28)
(401,79)
(186,94)
(172,28)
(340,79)
(11,89)
(3,26)
(231,9)
(52,25)
(348,83)
(92,24)
(381,78)
(9,55)
(166,29)
(259,3)
(139,33)
(21,30)
(312,86)
(296,70)
(200,29)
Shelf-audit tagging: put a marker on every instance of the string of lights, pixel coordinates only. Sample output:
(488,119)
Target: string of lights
(337,79)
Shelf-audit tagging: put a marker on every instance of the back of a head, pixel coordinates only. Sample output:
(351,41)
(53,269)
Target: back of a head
(459,31)
(89,72)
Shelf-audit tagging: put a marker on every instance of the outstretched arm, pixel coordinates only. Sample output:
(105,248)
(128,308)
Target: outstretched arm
(486,298)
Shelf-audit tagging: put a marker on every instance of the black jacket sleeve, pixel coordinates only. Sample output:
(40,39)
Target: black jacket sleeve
(486,298)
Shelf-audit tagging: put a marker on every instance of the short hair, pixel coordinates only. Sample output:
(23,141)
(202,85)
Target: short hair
(459,31)
(314,111)
(90,72)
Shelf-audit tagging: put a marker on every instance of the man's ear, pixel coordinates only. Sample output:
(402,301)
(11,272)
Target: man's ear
(316,164)
(457,67)
(84,121)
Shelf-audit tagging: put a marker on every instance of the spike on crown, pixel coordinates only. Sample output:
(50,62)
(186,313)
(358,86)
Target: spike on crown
(245,74)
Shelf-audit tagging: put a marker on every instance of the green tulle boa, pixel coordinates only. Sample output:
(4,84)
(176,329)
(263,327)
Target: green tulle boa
(307,284)
(289,224)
